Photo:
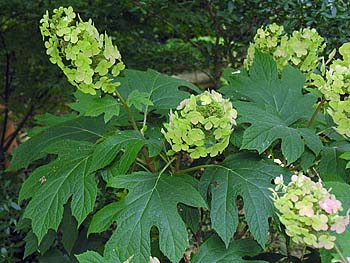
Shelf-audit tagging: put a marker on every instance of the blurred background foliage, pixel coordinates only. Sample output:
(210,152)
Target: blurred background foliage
(170,36)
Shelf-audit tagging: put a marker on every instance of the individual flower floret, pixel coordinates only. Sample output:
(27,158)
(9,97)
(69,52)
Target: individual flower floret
(308,211)
(201,125)
(153,260)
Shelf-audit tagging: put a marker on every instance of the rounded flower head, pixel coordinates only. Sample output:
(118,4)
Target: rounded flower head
(202,125)
(308,211)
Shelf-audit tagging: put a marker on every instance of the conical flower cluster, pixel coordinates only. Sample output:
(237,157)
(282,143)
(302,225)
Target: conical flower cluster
(309,212)
(201,126)
(87,58)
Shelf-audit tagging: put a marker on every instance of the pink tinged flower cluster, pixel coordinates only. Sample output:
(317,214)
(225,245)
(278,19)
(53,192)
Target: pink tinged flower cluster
(309,212)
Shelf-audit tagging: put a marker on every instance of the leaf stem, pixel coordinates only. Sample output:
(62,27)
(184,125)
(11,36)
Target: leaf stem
(134,125)
(303,253)
(195,168)
(127,109)
(144,120)
(288,250)
(167,160)
(167,165)
(319,106)
(340,254)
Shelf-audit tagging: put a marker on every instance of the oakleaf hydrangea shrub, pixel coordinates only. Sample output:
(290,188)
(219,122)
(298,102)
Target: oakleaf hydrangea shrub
(309,212)
(87,58)
(201,126)
(227,197)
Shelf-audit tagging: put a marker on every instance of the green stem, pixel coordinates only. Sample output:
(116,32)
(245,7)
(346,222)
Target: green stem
(143,166)
(127,109)
(303,253)
(144,120)
(167,165)
(134,125)
(340,254)
(195,168)
(323,100)
(166,160)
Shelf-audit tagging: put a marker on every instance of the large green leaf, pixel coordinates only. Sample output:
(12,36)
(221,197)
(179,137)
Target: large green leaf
(69,230)
(272,105)
(88,105)
(343,242)
(32,243)
(241,175)
(152,201)
(54,256)
(332,167)
(163,91)
(84,128)
(214,251)
(50,186)
(94,257)
(128,142)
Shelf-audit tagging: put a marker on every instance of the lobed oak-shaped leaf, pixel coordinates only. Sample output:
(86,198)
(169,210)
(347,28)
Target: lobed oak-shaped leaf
(83,128)
(89,105)
(152,201)
(162,90)
(247,177)
(214,251)
(50,186)
(272,105)
(128,142)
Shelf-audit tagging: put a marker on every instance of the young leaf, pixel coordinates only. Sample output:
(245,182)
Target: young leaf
(51,185)
(214,251)
(241,175)
(346,156)
(103,219)
(130,142)
(162,90)
(152,201)
(191,217)
(138,99)
(272,105)
(84,128)
(93,106)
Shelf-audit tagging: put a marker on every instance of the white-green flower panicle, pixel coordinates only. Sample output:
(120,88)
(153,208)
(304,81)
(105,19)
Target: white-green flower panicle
(309,212)
(201,126)
(87,58)
(334,83)
(302,49)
